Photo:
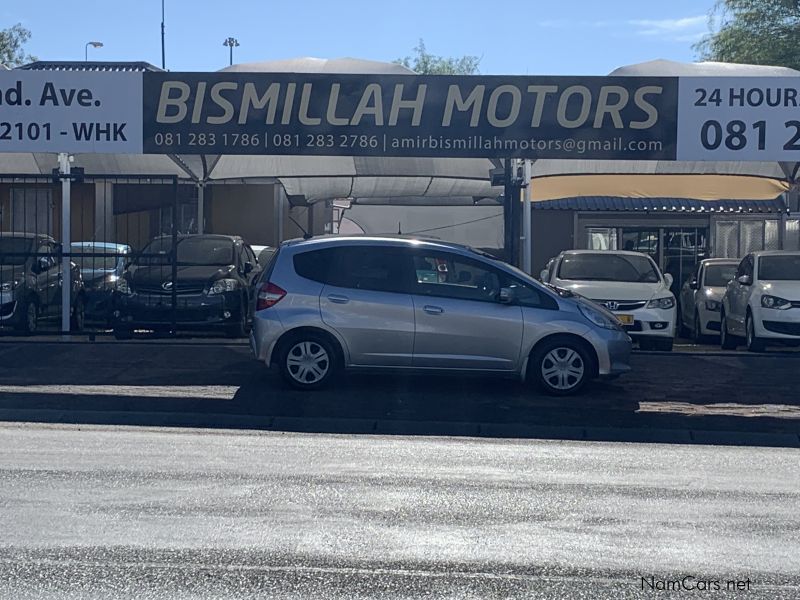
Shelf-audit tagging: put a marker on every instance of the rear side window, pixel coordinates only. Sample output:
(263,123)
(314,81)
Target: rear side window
(380,269)
(316,265)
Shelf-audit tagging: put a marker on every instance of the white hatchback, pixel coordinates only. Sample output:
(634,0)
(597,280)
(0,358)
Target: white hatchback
(762,303)
(629,284)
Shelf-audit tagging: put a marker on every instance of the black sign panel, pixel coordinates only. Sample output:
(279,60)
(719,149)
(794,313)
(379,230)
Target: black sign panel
(409,115)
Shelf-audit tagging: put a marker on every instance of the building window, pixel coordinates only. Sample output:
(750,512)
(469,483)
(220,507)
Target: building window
(601,238)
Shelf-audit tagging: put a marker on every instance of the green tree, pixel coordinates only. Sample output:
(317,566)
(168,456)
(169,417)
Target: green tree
(424,63)
(12,41)
(759,32)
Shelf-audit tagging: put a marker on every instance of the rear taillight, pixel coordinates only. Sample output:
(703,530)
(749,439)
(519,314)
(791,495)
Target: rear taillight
(269,295)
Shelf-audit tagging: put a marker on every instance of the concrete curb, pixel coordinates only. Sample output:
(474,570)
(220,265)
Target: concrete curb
(405,427)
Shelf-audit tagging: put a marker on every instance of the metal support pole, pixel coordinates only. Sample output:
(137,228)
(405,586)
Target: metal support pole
(66,220)
(200,206)
(163,51)
(526,217)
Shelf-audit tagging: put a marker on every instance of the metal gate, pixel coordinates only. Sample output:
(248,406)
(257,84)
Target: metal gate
(112,220)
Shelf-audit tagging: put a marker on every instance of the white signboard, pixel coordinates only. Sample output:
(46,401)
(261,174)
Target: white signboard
(739,119)
(68,111)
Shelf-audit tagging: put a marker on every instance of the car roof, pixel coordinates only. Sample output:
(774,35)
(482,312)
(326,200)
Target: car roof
(103,245)
(210,236)
(720,261)
(776,253)
(26,235)
(325,241)
(618,252)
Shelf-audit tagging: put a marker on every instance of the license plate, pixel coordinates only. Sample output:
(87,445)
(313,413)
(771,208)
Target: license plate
(625,319)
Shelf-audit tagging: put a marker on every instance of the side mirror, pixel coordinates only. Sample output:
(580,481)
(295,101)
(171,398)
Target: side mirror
(668,279)
(248,268)
(507,296)
(543,275)
(745,280)
(694,284)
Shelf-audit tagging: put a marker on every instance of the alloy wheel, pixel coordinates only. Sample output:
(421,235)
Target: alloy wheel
(307,362)
(563,368)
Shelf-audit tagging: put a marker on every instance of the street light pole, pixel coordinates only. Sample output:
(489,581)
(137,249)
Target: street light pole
(163,59)
(231,42)
(86,49)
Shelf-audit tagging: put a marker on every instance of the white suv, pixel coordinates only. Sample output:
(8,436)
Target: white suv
(762,303)
(629,284)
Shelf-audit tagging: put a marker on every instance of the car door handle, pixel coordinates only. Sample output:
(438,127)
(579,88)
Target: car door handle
(337,299)
(433,310)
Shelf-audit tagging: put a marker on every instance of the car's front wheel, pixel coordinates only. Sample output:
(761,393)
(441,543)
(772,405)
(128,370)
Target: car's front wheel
(754,344)
(726,340)
(561,367)
(29,317)
(307,361)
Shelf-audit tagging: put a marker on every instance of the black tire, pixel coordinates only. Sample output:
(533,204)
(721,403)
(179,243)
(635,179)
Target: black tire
(754,344)
(28,321)
(241,328)
(697,333)
(554,381)
(726,340)
(78,318)
(305,350)
(683,331)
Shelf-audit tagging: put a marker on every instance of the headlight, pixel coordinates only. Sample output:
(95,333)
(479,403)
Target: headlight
(112,279)
(123,287)
(768,301)
(664,303)
(598,318)
(222,285)
(713,305)
(7,286)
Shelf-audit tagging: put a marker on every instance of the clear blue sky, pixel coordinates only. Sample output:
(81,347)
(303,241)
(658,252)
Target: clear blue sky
(560,37)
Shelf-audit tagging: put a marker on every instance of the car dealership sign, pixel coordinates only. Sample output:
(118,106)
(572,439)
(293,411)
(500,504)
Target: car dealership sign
(634,118)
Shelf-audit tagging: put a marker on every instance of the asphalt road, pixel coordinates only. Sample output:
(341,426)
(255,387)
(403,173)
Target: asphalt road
(677,397)
(125,513)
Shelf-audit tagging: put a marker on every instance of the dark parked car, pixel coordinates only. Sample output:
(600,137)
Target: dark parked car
(101,265)
(213,289)
(30,282)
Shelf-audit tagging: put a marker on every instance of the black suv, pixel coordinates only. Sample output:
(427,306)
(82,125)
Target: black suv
(212,290)
(30,282)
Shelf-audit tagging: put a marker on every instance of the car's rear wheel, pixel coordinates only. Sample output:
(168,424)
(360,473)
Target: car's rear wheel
(561,367)
(726,340)
(307,361)
(754,344)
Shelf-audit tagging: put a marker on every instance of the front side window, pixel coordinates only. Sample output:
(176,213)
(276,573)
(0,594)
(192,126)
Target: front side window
(608,267)
(779,268)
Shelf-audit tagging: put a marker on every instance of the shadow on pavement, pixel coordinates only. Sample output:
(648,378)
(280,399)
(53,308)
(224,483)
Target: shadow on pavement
(219,386)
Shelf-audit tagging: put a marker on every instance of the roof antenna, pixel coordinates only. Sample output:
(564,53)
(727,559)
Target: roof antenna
(306,235)
(399,230)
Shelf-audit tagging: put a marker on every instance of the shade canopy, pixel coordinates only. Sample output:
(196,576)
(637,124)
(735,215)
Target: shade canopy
(662,178)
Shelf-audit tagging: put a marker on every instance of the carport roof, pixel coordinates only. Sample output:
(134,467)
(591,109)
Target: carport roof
(617,203)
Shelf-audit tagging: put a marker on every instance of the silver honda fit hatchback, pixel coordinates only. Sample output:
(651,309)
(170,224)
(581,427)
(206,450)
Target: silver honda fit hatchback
(333,303)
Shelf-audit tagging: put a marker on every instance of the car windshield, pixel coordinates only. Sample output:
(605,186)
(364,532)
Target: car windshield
(608,267)
(191,251)
(15,251)
(779,268)
(98,258)
(719,275)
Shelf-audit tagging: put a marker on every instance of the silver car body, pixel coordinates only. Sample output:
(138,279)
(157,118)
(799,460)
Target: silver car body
(411,331)
(703,301)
